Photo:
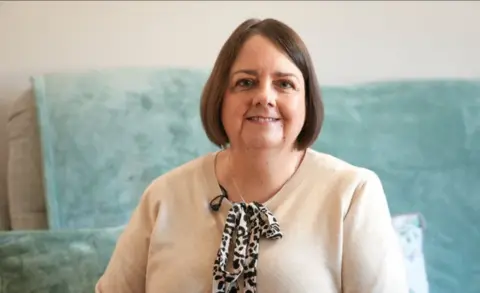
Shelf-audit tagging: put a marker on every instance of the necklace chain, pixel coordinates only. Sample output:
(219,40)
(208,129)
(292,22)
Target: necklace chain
(233,178)
(235,182)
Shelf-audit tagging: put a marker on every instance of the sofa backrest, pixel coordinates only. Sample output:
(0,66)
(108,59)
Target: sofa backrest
(106,134)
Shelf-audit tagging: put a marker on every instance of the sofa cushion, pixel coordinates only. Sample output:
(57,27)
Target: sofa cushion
(54,261)
(410,229)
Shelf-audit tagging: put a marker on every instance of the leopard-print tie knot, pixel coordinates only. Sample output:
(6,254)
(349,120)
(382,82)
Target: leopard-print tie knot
(247,223)
(268,223)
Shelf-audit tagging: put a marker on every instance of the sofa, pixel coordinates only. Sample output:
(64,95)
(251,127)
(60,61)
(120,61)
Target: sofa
(84,145)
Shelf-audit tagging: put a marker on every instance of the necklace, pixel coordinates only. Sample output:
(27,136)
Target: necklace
(235,182)
(233,178)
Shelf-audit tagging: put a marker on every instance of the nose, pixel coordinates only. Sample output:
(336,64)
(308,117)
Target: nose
(265,96)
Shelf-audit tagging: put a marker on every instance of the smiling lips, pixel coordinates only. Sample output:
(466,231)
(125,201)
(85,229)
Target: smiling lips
(262,120)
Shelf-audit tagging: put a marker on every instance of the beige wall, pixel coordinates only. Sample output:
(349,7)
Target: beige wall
(350,41)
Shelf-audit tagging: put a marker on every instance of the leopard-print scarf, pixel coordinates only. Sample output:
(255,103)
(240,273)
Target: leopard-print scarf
(249,222)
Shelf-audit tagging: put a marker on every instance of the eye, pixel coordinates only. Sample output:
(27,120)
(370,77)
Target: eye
(245,83)
(286,84)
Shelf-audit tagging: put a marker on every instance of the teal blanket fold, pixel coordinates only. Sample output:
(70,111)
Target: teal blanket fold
(107,134)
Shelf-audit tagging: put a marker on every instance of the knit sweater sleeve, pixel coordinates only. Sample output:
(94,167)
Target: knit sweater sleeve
(372,258)
(126,269)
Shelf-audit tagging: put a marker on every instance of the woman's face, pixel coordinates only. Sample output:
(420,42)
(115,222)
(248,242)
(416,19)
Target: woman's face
(264,105)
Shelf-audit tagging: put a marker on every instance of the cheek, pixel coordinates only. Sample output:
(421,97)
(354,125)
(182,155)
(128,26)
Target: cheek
(293,110)
(231,112)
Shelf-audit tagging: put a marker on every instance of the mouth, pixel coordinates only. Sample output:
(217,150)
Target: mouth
(260,119)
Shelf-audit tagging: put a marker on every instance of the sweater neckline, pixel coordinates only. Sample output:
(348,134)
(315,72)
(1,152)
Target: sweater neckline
(273,202)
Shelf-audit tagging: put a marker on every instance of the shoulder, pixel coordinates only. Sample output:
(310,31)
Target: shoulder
(176,189)
(342,180)
(334,168)
(183,173)
(170,191)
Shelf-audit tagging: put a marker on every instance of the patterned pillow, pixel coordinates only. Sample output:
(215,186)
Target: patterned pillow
(409,228)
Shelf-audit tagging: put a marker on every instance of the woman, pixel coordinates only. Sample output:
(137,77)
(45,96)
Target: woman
(298,220)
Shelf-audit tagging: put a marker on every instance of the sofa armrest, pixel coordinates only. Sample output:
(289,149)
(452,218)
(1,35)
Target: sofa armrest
(54,261)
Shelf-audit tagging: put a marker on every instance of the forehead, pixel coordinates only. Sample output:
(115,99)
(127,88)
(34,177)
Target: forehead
(260,54)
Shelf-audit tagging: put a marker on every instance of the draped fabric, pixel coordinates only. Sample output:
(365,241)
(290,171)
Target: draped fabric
(244,227)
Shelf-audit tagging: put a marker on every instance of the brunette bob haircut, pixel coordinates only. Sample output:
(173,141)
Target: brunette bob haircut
(288,42)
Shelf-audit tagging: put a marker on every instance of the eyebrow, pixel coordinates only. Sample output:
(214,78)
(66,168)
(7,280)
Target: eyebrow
(255,73)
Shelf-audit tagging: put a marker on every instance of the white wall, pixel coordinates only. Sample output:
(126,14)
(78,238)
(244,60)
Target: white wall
(349,41)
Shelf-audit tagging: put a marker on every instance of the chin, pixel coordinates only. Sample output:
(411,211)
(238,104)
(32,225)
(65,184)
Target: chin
(262,147)
(262,143)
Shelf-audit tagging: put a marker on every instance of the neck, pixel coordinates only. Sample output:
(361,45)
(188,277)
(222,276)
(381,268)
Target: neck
(261,174)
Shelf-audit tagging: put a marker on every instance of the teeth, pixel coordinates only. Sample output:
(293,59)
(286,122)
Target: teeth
(262,119)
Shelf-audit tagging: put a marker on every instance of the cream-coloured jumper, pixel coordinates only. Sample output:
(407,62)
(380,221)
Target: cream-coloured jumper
(336,225)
